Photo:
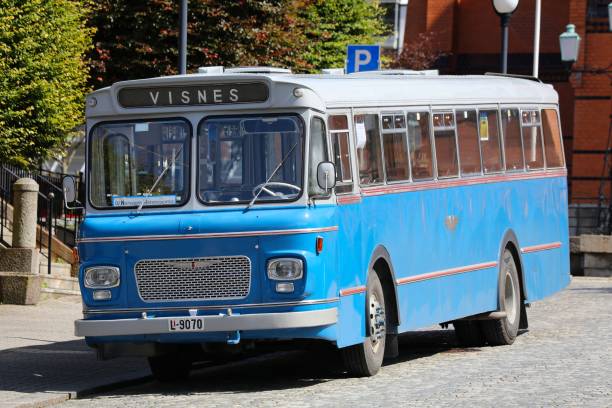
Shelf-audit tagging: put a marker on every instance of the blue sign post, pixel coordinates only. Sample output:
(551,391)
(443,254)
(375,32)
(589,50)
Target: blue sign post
(362,58)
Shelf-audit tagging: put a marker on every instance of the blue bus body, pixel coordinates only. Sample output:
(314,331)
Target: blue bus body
(439,243)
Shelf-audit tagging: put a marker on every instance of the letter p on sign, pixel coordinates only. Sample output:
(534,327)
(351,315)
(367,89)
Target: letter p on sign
(362,58)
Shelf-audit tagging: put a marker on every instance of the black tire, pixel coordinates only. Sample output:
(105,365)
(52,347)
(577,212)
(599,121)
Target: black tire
(170,367)
(503,331)
(365,359)
(469,333)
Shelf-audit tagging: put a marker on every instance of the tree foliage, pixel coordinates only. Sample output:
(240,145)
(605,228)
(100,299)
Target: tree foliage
(140,39)
(43,75)
(334,24)
(421,54)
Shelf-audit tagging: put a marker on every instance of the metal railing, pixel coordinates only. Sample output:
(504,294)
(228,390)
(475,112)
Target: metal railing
(52,216)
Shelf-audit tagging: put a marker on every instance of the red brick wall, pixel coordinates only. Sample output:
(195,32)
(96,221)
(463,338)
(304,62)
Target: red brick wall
(479,27)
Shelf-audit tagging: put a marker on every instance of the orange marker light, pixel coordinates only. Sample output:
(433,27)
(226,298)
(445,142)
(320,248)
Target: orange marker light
(319,245)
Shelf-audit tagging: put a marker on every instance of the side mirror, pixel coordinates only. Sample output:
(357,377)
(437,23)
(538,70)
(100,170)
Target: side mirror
(326,175)
(69,187)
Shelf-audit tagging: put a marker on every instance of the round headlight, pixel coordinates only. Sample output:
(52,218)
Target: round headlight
(98,277)
(285,269)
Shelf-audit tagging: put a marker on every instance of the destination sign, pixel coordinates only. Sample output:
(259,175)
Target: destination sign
(209,94)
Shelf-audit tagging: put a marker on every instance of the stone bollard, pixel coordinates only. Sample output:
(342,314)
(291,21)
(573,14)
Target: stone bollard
(19,278)
(24,216)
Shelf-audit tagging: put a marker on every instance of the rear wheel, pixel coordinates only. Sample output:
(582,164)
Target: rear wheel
(503,331)
(170,367)
(365,359)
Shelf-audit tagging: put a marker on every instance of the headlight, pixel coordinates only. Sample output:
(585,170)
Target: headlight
(285,269)
(98,277)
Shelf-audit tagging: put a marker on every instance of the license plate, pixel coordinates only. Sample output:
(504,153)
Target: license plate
(186,324)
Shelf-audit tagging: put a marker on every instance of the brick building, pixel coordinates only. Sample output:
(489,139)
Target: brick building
(469,32)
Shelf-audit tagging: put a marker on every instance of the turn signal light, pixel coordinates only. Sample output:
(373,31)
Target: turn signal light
(319,245)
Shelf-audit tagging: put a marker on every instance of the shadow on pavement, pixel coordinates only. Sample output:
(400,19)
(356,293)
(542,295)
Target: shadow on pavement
(58,368)
(291,369)
(592,290)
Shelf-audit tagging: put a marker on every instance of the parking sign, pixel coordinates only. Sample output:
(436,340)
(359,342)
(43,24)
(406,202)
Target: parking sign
(362,58)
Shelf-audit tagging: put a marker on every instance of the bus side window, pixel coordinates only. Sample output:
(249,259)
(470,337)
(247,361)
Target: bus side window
(317,154)
(532,139)
(488,130)
(419,145)
(446,148)
(369,152)
(552,138)
(512,139)
(338,126)
(394,143)
(467,137)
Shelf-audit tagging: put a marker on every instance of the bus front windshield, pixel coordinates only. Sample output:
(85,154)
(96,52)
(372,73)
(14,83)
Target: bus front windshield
(140,163)
(240,158)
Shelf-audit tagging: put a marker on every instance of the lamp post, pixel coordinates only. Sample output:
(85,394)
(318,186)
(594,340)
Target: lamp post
(183,39)
(569,43)
(504,9)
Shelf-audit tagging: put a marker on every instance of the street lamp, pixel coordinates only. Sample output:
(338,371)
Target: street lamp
(610,16)
(569,42)
(504,9)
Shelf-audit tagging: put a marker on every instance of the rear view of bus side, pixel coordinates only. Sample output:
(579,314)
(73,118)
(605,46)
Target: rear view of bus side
(448,205)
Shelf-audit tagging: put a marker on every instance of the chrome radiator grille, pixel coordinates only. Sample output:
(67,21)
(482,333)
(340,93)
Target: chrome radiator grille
(227,277)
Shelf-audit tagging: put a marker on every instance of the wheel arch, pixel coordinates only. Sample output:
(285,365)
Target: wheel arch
(510,242)
(380,260)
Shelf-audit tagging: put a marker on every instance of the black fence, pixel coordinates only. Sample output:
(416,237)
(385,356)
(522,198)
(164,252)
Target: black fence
(52,214)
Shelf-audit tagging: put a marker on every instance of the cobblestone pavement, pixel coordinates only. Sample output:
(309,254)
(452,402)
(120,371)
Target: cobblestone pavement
(42,362)
(565,359)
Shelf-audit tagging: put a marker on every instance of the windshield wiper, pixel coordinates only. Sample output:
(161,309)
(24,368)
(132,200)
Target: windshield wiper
(158,179)
(271,175)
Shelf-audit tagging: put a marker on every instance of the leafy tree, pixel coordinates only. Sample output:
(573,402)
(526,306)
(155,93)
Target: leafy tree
(139,39)
(334,24)
(43,75)
(423,53)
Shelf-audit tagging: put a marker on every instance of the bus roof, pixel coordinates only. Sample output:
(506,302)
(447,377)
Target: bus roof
(333,91)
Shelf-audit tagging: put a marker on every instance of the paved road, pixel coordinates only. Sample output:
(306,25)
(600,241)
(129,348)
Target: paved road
(565,359)
(42,362)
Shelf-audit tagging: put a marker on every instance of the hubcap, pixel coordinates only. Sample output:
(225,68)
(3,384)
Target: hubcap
(510,299)
(377,322)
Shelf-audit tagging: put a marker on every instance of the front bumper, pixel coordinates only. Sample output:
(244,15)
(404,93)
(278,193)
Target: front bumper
(214,323)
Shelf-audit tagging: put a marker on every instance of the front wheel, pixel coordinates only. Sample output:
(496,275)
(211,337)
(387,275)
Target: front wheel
(503,331)
(365,359)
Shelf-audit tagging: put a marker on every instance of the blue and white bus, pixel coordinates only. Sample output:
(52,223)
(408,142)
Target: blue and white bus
(252,204)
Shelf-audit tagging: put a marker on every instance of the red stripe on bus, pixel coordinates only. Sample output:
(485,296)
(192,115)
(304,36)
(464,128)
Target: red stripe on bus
(445,183)
(352,291)
(349,199)
(541,247)
(446,272)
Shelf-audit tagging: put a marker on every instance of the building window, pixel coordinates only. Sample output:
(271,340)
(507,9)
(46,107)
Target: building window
(597,16)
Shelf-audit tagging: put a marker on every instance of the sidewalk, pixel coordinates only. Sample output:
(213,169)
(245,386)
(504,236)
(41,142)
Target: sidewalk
(43,363)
